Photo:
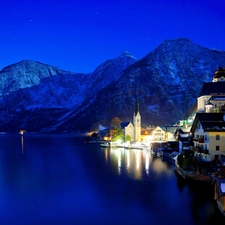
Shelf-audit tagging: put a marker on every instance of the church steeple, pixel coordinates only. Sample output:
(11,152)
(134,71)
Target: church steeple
(137,106)
(137,121)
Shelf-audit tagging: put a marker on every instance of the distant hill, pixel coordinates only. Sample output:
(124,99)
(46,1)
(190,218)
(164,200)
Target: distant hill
(42,98)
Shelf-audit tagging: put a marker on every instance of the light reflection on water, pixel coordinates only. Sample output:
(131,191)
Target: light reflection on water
(22,144)
(135,163)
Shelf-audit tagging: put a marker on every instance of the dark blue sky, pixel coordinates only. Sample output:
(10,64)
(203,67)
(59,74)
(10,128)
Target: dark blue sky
(78,35)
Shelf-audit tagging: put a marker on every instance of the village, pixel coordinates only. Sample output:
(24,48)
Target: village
(198,143)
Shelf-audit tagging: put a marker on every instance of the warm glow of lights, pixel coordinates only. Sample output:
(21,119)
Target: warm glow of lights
(159,166)
(128,158)
(136,162)
(106,155)
(22,145)
(22,132)
(138,159)
(147,162)
(117,152)
(119,162)
(150,138)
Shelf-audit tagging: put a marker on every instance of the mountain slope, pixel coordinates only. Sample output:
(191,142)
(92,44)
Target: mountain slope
(24,74)
(168,81)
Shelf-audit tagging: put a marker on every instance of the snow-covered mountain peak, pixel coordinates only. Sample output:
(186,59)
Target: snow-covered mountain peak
(30,65)
(126,54)
(25,74)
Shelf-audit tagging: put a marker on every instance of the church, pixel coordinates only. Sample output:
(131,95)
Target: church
(133,130)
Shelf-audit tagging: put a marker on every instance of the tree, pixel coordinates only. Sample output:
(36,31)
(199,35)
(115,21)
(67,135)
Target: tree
(115,123)
(128,137)
(118,135)
(184,160)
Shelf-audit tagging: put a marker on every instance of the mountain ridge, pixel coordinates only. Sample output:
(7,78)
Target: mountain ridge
(168,80)
(164,81)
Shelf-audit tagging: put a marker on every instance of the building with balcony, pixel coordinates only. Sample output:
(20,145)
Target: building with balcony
(208,131)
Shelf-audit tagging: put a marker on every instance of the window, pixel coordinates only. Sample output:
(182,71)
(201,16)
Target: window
(217,137)
(217,148)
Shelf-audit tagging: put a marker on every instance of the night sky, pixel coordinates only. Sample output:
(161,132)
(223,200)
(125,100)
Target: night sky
(78,35)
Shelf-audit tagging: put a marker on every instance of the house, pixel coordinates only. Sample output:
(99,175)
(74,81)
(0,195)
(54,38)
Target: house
(208,131)
(158,134)
(183,136)
(170,132)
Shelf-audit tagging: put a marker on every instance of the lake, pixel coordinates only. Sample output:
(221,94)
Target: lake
(58,179)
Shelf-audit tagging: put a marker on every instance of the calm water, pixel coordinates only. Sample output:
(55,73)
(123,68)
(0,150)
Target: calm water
(60,180)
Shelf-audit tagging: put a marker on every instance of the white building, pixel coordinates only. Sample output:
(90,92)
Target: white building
(209,135)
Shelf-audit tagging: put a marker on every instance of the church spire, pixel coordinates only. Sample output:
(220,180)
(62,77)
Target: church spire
(137,122)
(137,106)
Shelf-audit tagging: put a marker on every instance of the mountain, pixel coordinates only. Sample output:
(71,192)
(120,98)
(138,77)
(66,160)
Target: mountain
(35,96)
(168,81)
(43,98)
(25,74)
